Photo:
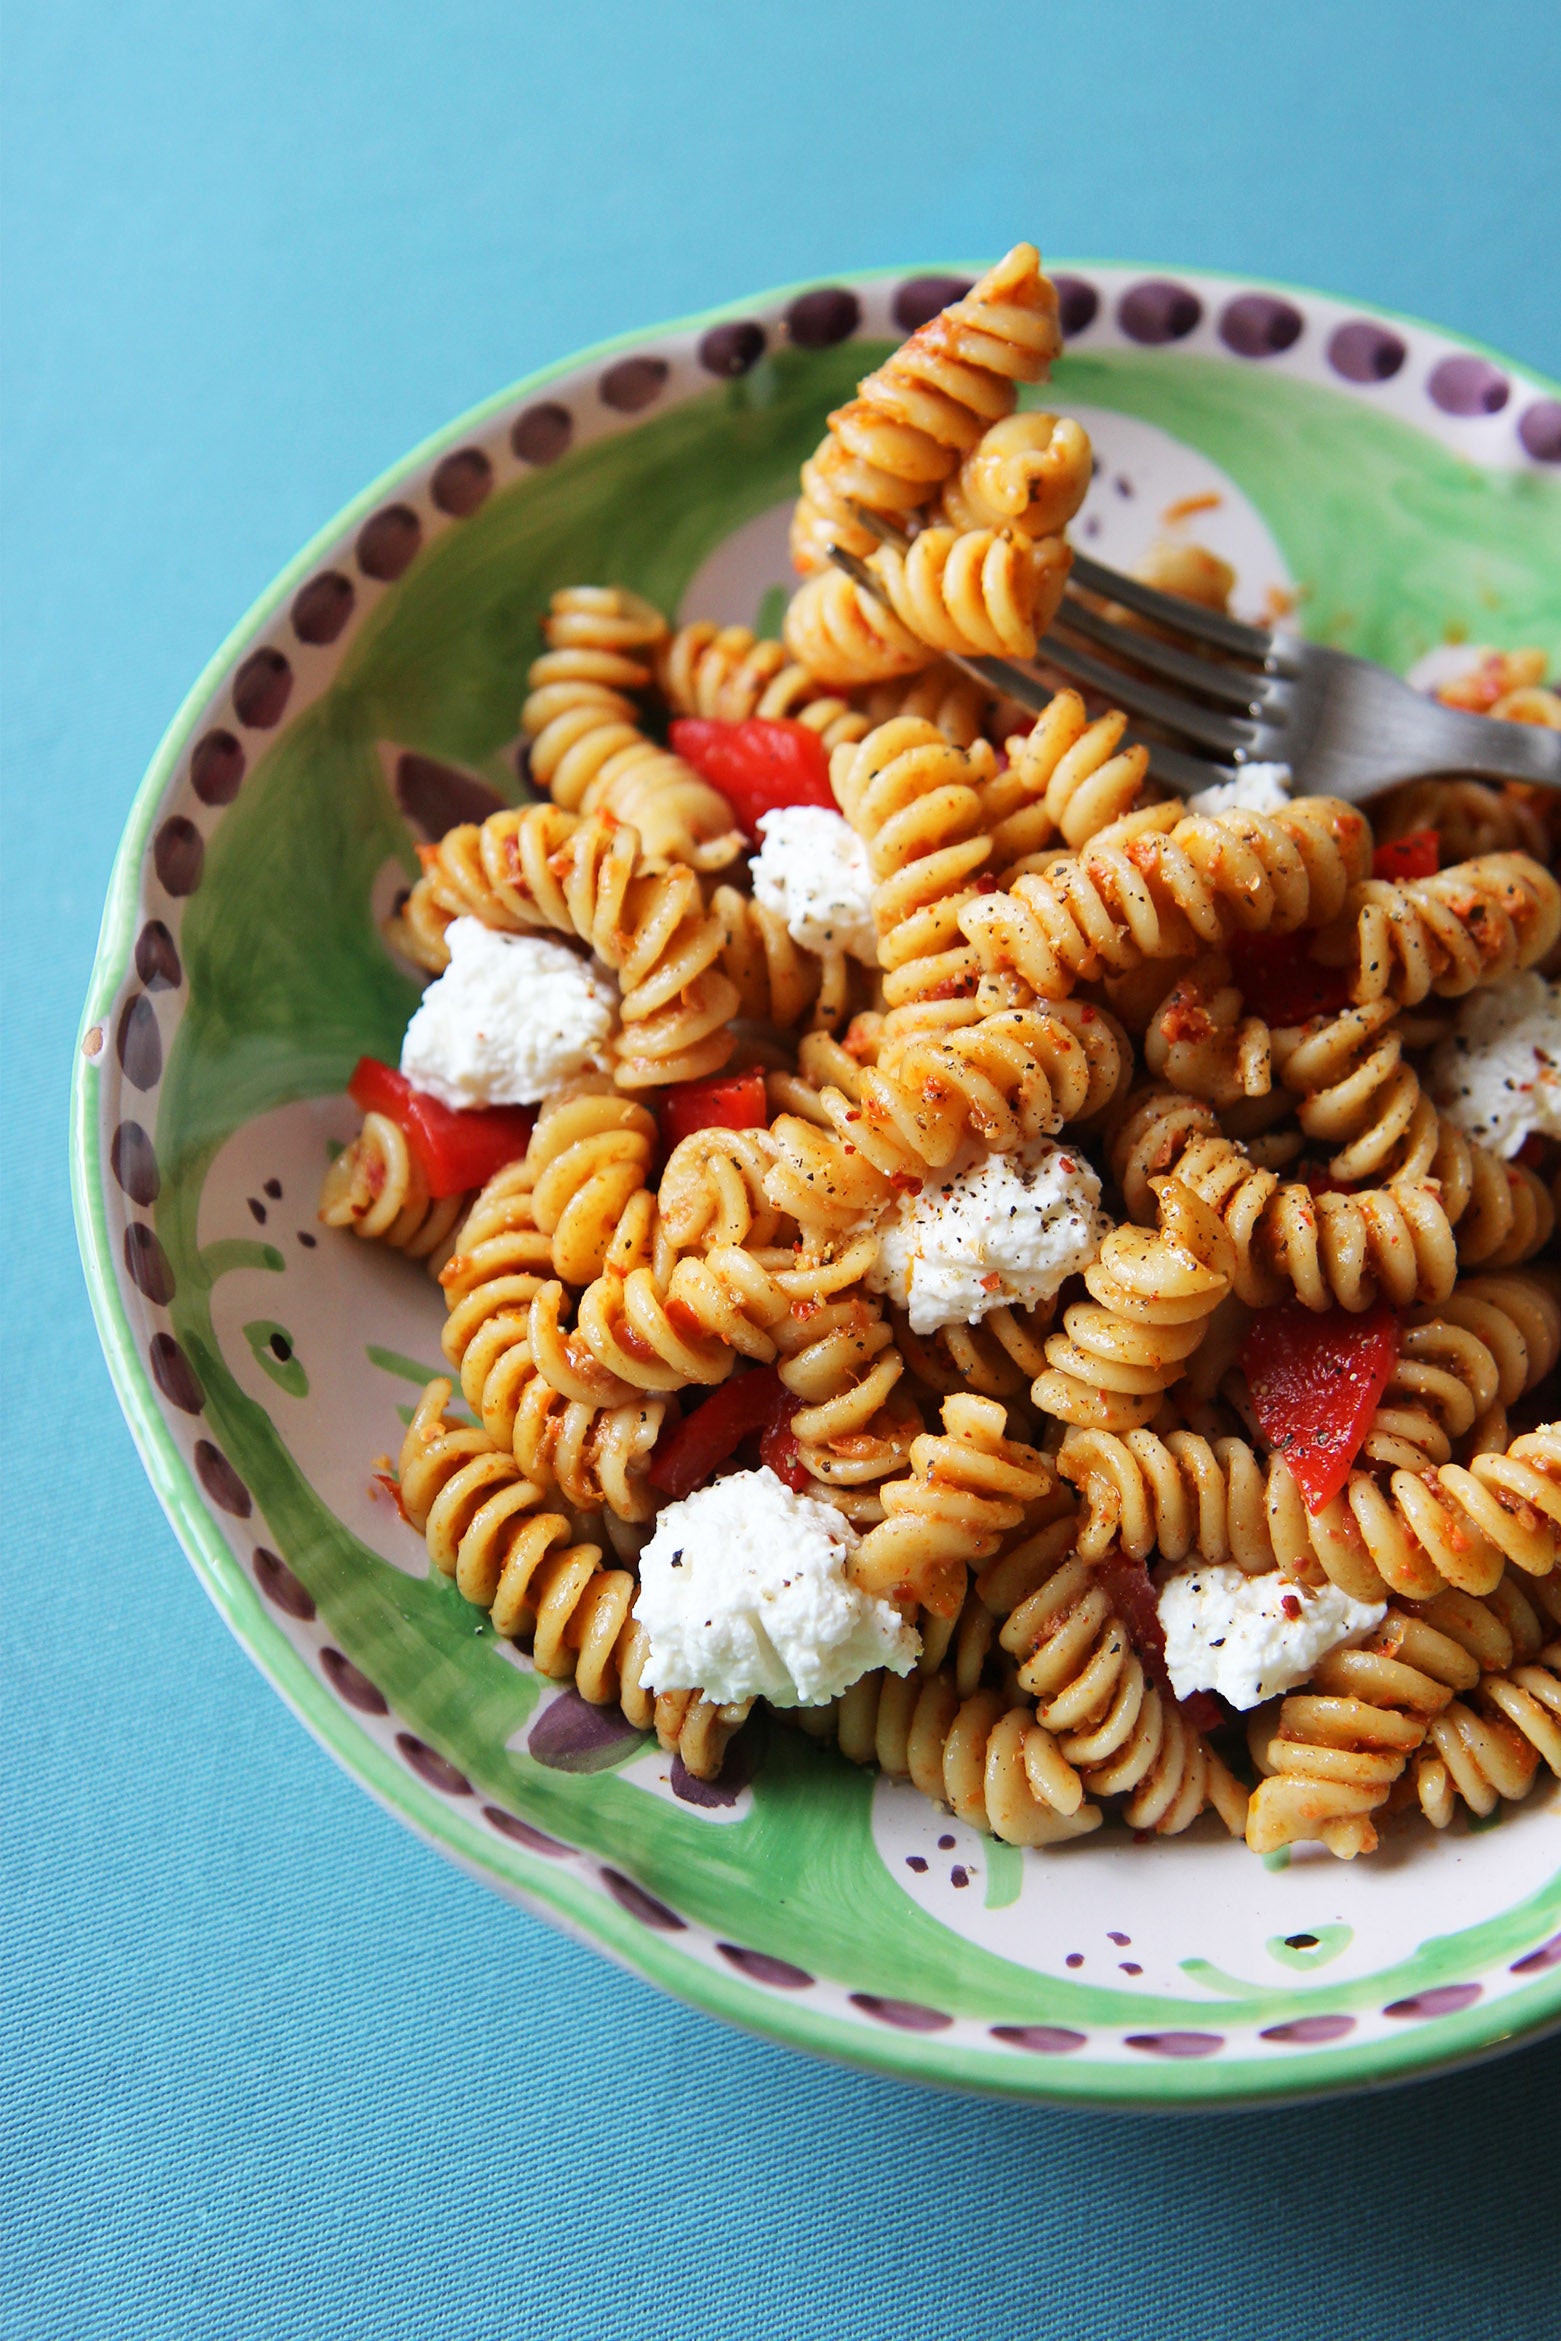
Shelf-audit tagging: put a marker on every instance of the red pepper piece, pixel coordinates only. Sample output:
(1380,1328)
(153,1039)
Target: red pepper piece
(1128,1586)
(454,1151)
(716,1429)
(1280,980)
(779,1449)
(1315,1379)
(1419,855)
(1203,1711)
(1321,1181)
(758,766)
(731,1101)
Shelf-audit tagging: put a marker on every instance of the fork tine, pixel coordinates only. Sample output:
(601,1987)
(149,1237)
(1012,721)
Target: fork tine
(1167,609)
(1227,735)
(1236,686)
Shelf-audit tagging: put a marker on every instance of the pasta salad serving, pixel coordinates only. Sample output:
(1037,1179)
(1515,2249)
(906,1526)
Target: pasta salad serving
(1046,1286)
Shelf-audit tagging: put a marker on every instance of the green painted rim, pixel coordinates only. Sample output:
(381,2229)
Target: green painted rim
(558,1895)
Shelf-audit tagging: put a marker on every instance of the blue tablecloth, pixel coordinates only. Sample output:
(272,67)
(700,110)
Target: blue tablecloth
(272,2068)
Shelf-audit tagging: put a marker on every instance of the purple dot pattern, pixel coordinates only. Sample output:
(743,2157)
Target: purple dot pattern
(708,1795)
(157,958)
(1535,1962)
(388,544)
(764,1968)
(174,1374)
(138,1044)
(221,1481)
(146,1264)
(641,1905)
(1042,2040)
(280,1587)
(1445,2000)
(1539,430)
(1364,352)
(261,689)
(633,384)
(904,2015)
(918,300)
(351,1684)
(1309,2031)
(133,1161)
(322,607)
(217,767)
(1176,2044)
(429,1765)
(178,855)
(570,1735)
(1256,325)
(1467,385)
(730,350)
(535,1840)
(1078,305)
(462,482)
(542,434)
(1158,311)
(817,320)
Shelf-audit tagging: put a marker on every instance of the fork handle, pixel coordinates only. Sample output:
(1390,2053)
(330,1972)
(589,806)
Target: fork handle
(1490,749)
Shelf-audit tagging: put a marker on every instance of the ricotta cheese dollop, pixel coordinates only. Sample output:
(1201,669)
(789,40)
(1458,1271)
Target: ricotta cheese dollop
(1249,1638)
(1258,788)
(744,1594)
(1003,1232)
(511,1017)
(812,871)
(1498,1075)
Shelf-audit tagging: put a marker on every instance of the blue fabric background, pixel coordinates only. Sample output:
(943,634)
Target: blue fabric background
(273,2069)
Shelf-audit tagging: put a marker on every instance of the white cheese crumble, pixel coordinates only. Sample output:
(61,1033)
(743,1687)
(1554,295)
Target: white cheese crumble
(1257,788)
(1499,1074)
(511,1017)
(1249,1638)
(992,1231)
(812,870)
(744,1594)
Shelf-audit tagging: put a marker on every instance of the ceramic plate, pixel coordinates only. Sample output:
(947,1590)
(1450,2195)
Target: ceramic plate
(1389,484)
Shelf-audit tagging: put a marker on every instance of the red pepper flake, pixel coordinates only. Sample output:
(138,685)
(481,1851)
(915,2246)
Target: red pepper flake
(1416,856)
(1280,980)
(986,883)
(1291,1605)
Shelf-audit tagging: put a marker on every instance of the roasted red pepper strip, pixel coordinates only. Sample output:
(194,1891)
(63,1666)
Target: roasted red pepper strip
(1418,855)
(1129,1586)
(454,1151)
(779,1449)
(715,1430)
(758,766)
(731,1101)
(1315,1378)
(1280,980)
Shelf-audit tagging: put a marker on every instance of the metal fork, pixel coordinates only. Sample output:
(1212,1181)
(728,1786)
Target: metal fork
(1342,725)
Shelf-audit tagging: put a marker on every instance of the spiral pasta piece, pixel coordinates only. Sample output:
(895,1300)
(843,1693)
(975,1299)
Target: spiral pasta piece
(1461,1366)
(1329,1249)
(1472,924)
(1332,1753)
(956,702)
(1166,884)
(1122,1734)
(1151,1297)
(964,1492)
(916,802)
(376,1187)
(589,1154)
(541,867)
(972,1749)
(1491,1747)
(478,1516)
(1199,1041)
(1455,1526)
(848,636)
(926,407)
(1470,817)
(712,1192)
(974,593)
(1357,1094)
(777,980)
(999,1357)
(1067,777)
(1030,472)
(730,674)
(587,749)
